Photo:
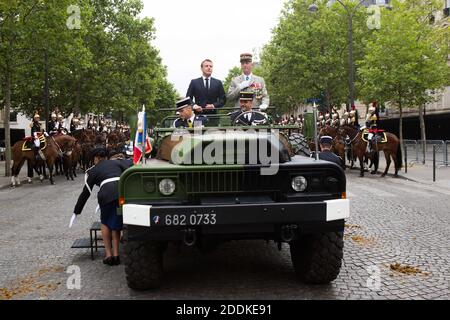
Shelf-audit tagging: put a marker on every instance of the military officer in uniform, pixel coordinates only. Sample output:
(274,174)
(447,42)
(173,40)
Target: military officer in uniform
(188,119)
(249,82)
(327,119)
(36,130)
(326,143)
(74,123)
(246,103)
(61,127)
(52,124)
(344,120)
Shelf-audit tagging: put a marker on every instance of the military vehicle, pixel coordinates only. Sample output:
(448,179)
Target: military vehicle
(232,182)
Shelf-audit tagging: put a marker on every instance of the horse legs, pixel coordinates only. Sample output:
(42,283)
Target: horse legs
(375,161)
(50,165)
(388,163)
(361,164)
(30,166)
(15,172)
(394,158)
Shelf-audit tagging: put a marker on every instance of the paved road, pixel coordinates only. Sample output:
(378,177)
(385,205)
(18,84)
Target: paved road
(393,221)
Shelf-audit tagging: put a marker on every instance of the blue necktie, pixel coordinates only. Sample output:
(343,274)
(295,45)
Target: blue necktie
(207,84)
(247,78)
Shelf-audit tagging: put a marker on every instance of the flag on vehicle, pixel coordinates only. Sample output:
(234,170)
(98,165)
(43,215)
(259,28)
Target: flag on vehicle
(140,137)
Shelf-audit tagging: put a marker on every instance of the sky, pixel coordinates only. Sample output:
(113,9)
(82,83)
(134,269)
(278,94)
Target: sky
(189,31)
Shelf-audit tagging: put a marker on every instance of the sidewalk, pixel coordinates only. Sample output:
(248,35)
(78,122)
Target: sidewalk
(419,172)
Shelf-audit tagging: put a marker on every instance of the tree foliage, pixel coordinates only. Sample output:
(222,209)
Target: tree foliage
(307,56)
(407,57)
(106,66)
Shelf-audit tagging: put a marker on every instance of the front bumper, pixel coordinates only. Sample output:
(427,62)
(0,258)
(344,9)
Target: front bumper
(242,214)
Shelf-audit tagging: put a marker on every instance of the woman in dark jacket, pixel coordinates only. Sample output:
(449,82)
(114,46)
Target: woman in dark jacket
(105,174)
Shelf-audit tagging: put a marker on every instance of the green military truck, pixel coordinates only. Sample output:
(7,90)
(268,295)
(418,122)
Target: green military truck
(208,185)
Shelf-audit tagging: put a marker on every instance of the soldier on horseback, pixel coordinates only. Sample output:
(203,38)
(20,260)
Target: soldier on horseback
(61,128)
(74,123)
(53,124)
(36,132)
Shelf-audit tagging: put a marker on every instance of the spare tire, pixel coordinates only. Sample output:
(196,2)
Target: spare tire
(299,144)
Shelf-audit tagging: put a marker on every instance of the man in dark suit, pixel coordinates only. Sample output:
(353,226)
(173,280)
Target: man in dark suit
(207,92)
(188,119)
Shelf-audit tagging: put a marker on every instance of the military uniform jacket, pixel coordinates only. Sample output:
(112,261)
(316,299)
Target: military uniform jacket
(243,119)
(35,127)
(198,120)
(52,126)
(257,85)
(102,171)
(73,127)
(330,156)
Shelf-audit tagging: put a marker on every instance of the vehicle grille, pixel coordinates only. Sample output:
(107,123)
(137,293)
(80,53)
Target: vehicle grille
(228,182)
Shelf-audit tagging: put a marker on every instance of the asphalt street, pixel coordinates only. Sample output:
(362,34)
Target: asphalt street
(396,247)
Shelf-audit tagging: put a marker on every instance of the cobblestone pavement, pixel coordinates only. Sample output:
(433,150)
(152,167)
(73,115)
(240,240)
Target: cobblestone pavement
(394,223)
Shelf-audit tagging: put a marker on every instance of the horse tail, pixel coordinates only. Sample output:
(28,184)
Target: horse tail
(399,158)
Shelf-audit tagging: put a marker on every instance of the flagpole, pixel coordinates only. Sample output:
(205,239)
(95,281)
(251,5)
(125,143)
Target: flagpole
(144,134)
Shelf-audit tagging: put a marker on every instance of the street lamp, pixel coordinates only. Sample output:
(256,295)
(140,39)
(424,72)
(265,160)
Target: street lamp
(351,73)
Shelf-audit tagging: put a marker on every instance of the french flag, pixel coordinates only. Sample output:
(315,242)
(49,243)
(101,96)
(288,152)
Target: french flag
(141,137)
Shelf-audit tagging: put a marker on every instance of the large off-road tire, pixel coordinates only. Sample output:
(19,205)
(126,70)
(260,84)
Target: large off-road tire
(317,258)
(299,144)
(143,264)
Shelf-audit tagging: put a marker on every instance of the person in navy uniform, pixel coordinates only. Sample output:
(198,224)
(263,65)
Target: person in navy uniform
(246,104)
(188,119)
(105,174)
(206,92)
(326,143)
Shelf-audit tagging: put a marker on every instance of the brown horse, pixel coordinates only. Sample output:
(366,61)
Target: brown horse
(55,146)
(391,149)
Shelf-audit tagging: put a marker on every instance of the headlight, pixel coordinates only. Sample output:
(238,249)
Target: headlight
(299,183)
(167,187)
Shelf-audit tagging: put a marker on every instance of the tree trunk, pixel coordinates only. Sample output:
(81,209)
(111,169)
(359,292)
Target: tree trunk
(78,97)
(6,120)
(423,137)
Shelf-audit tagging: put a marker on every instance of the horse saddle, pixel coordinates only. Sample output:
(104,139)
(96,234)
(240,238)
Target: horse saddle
(28,143)
(379,137)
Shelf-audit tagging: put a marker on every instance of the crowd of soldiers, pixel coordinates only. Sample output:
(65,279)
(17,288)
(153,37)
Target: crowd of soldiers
(58,124)
(335,120)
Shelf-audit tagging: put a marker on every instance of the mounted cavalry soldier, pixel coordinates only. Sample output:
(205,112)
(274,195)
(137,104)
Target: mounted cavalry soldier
(61,128)
(327,119)
(74,123)
(344,120)
(37,132)
(335,120)
(249,82)
(53,124)
(188,119)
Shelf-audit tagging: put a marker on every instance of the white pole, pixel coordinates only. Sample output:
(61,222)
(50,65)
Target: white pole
(315,131)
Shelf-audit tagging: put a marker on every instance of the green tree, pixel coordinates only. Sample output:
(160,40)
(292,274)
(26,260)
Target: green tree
(308,54)
(406,58)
